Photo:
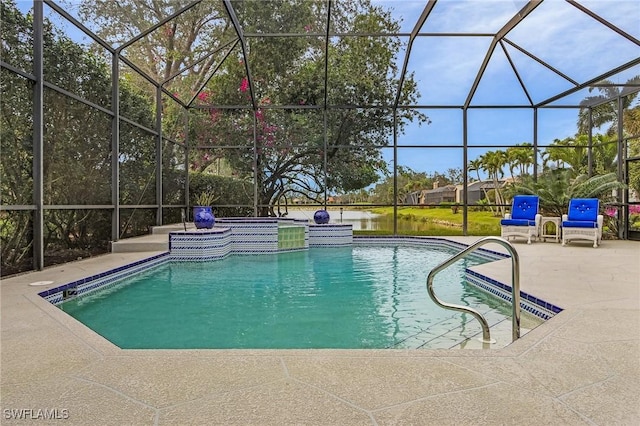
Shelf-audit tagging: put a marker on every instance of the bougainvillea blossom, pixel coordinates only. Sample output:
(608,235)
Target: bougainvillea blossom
(244,85)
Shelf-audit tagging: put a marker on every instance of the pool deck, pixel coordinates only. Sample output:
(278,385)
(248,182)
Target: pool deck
(581,367)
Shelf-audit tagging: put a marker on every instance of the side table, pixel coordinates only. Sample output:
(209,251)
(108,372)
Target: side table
(556,225)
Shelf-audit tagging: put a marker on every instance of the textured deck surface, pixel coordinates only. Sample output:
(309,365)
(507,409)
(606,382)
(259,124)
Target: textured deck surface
(581,367)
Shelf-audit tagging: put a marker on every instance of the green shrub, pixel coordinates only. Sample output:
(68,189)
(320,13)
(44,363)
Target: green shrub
(231,192)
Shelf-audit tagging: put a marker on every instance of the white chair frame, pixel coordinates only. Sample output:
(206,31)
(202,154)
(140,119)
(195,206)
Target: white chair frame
(528,232)
(591,234)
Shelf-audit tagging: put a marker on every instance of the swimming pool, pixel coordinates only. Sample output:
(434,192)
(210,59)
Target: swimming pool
(347,297)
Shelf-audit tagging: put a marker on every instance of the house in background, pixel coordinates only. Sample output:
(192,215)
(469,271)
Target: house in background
(433,197)
(477,190)
(437,195)
(453,193)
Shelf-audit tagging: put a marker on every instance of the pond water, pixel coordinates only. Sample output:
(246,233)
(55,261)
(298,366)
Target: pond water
(363,220)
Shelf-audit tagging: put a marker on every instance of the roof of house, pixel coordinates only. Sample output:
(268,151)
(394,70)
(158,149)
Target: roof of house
(447,188)
(484,184)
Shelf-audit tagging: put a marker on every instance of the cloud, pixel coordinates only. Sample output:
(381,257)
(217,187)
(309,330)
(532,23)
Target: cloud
(556,32)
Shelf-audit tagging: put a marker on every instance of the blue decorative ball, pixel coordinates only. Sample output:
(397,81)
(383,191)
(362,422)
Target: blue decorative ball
(203,217)
(321,217)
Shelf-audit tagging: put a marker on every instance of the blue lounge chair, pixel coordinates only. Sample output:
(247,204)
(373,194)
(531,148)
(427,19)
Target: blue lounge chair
(524,219)
(583,221)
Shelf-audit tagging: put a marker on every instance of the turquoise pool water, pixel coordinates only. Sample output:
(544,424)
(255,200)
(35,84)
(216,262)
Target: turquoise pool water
(352,297)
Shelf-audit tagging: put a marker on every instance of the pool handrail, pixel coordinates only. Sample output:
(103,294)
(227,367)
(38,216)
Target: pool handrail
(515,289)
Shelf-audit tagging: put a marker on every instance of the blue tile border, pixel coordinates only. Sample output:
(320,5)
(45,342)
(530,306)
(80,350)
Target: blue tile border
(102,280)
(250,235)
(529,303)
(533,305)
(482,253)
(84,286)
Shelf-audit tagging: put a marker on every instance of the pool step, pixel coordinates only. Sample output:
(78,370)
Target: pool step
(165,229)
(157,240)
(451,333)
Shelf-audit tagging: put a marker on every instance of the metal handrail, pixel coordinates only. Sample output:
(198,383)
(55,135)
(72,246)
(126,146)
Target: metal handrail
(515,282)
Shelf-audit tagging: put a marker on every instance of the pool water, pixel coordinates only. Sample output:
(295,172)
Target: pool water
(351,297)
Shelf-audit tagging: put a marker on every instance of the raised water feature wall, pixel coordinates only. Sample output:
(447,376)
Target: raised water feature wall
(255,236)
(292,237)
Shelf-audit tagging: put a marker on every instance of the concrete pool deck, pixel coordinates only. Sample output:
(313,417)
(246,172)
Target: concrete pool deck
(581,367)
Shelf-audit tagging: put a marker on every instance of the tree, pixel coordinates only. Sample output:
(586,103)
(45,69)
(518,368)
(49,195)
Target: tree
(606,112)
(556,187)
(606,109)
(454,176)
(182,44)
(604,153)
(568,153)
(475,166)
(76,143)
(492,163)
(290,143)
(292,156)
(409,181)
(520,157)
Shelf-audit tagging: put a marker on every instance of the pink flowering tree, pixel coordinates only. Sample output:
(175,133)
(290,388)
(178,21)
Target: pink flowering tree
(288,144)
(271,125)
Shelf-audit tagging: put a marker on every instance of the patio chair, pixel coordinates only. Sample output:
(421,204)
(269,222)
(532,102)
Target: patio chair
(524,219)
(583,221)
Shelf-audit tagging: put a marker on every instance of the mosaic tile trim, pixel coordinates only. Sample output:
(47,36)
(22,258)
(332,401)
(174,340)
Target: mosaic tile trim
(200,246)
(482,253)
(307,237)
(246,236)
(529,303)
(253,236)
(101,281)
(258,220)
(215,245)
(330,235)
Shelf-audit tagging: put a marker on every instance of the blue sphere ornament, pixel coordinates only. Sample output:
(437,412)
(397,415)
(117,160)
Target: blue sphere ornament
(203,217)
(321,217)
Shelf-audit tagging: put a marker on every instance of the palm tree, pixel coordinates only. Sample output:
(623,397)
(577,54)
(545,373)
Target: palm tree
(475,166)
(569,153)
(512,162)
(520,157)
(556,187)
(605,112)
(492,163)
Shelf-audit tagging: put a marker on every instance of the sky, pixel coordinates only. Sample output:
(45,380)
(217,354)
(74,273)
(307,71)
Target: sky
(576,45)
(555,32)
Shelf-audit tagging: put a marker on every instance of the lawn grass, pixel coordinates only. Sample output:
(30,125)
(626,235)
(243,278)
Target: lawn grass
(478,222)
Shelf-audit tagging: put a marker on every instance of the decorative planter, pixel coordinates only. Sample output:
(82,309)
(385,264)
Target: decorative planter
(203,217)
(321,217)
